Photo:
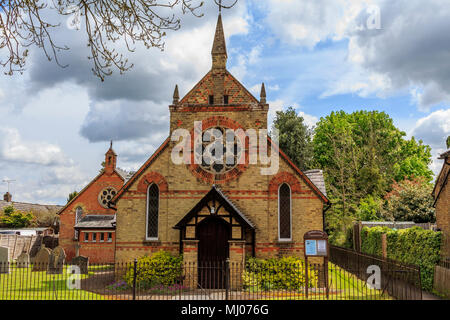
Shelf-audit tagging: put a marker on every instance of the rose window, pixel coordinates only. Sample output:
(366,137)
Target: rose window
(105,196)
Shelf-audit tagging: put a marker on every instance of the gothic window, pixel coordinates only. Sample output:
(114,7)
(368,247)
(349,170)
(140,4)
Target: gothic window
(225,99)
(78,215)
(284,212)
(152,211)
(211,100)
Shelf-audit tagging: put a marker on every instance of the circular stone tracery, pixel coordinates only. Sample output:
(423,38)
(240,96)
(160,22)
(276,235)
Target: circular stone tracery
(105,196)
(221,172)
(219,140)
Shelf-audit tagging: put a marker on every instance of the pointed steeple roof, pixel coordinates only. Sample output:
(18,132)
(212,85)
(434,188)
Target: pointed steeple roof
(176,95)
(263,94)
(219,46)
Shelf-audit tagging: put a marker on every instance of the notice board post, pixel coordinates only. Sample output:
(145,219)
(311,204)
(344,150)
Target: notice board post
(316,245)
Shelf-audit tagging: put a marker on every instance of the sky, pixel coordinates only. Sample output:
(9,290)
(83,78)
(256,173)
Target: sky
(317,56)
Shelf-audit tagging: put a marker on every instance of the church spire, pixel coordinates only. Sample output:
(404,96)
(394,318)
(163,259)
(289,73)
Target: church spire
(219,49)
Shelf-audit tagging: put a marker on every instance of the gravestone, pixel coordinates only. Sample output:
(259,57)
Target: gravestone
(57,259)
(4,260)
(42,260)
(82,263)
(23,261)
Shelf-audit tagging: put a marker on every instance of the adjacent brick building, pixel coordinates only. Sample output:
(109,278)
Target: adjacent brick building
(212,211)
(441,194)
(87,223)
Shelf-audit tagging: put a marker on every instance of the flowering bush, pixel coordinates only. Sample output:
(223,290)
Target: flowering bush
(284,273)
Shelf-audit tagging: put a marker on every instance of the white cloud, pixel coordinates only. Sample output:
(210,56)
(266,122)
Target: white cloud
(280,105)
(12,148)
(434,130)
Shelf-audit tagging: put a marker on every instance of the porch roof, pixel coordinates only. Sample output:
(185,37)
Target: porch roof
(216,194)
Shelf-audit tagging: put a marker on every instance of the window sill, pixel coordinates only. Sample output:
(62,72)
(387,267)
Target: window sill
(151,241)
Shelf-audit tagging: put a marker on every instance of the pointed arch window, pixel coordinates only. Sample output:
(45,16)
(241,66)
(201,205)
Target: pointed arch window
(78,216)
(152,212)
(284,213)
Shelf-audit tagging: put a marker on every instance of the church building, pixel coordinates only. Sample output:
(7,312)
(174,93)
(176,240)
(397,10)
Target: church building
(207,210)
(87,223)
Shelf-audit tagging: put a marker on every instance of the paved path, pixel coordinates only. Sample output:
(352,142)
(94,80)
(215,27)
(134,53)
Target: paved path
(429,296)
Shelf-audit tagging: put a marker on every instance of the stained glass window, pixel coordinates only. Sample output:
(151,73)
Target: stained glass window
(284,211)
(152,211)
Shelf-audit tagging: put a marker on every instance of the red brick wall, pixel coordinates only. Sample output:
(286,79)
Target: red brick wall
(88,200)
(98,252)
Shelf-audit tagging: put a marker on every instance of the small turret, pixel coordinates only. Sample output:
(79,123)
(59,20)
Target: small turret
(263,94)
(176,95)
(110,160)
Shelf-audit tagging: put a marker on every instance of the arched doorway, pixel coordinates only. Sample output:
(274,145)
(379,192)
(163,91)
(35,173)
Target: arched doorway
(213,234)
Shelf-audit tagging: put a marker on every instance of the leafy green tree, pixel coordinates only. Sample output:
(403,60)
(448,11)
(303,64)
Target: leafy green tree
(362,154)
(369,209)
(410,200)
(12,218)
(72,195)
(448,142)
(295,137)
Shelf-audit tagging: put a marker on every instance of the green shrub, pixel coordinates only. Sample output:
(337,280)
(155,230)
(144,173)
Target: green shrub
(414,246)
(283,273)
(162,268)
(371,240)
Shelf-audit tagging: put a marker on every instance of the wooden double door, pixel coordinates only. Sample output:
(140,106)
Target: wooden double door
(213,234)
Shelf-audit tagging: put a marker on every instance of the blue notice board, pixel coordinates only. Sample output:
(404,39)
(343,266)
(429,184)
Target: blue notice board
(311,247)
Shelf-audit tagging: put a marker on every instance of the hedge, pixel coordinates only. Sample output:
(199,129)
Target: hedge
(414,245)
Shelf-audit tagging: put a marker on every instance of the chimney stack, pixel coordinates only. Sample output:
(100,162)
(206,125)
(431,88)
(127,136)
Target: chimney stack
(7,197)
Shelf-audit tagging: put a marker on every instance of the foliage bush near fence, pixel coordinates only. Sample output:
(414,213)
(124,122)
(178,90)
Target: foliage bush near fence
(162,268)
(414,245)
(283,273)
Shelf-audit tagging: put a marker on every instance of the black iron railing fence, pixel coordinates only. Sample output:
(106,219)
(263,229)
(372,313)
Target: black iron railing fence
(194,281)
(400,280)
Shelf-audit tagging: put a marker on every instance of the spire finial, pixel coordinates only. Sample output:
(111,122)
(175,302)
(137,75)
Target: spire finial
(176,95)
(110,146)
(219,49)
(263,94)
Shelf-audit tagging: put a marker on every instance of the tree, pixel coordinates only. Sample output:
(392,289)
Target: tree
(369,209)
(410,200)
(362,154)
(13,218)
(448,142)
(295,137)
(26,23)
(72,195)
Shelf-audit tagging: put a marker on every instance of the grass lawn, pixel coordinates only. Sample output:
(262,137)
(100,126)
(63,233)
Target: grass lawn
(23,284)
(342,286)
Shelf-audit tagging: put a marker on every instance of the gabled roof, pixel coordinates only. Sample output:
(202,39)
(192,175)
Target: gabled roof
(216,194)
(23,206)
(313,175)
(140,171)
(308,181)
(87,187)
(199,94)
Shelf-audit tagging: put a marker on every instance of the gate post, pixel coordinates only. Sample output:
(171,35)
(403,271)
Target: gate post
(134,278)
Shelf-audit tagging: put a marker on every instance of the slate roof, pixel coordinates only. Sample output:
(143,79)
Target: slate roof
(316,177)
(23,206)
(97,221)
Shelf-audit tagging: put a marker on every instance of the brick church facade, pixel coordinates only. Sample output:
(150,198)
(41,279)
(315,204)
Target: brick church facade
(209,211)
(87,223)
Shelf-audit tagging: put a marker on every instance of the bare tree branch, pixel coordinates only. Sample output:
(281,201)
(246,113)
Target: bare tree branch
(24,23)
